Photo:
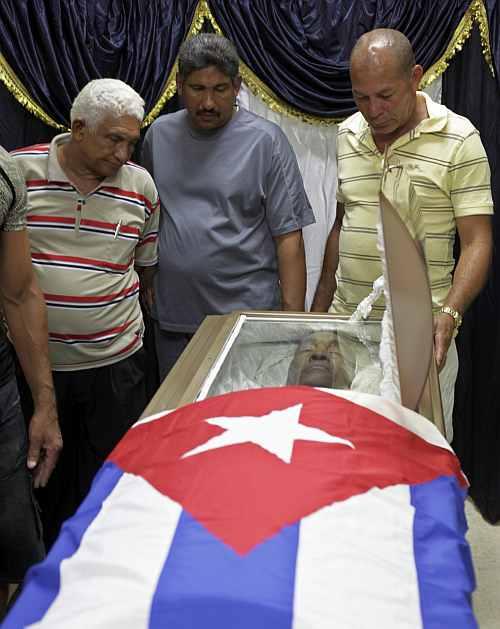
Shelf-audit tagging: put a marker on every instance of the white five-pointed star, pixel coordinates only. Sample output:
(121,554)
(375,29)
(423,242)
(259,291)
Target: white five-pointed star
(275,432)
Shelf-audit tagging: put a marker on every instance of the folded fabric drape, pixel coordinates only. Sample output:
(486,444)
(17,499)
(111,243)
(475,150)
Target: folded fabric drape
(54,48)
(477,402)
(294,53)
(301,49)
(490,33)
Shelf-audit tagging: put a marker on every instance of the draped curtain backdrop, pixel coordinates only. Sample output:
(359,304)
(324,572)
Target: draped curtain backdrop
(295,60)
(307,43)
(296,52)
(477,399)
(56,47)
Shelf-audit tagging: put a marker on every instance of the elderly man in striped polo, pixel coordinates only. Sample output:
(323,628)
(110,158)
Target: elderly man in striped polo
(448,170)
(93,224)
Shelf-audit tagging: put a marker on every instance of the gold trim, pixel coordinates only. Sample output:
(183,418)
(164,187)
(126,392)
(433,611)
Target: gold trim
(168,92)
(206,14)
(260,89)
(17,89)
(476,13)
(256,85)
(481,17)
(202,12)
(265,93)
(460,36)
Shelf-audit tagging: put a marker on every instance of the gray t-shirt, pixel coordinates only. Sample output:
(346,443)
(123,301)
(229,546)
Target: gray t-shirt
(224,196)
(13,209)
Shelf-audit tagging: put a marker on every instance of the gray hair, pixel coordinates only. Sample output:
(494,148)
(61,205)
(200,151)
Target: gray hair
(103,97)
(208,49)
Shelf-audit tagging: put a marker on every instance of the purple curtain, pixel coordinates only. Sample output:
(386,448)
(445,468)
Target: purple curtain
(301,48)
(56,47)
(477,393)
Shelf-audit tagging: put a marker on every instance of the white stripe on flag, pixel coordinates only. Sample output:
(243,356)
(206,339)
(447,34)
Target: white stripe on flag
(111,579)
(366,575)
(410,420)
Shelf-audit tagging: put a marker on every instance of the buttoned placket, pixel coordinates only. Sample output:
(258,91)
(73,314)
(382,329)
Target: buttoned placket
(80,204)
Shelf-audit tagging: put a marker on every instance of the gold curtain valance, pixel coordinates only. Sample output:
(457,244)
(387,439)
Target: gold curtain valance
(475,14)
(17,89)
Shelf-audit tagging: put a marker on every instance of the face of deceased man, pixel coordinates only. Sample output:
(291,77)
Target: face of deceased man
(318,362)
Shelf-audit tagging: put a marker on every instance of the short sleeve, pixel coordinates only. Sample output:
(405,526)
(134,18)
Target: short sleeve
(287,206)
(340,138)
(470,178)
(147,249)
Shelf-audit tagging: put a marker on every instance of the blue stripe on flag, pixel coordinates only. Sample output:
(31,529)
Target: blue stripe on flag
(204,583)
(43,581)
(443,559)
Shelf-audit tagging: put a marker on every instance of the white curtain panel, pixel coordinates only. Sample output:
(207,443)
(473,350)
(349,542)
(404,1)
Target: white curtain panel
(315,148)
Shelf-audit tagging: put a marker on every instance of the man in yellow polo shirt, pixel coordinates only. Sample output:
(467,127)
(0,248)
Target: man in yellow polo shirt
(447,166)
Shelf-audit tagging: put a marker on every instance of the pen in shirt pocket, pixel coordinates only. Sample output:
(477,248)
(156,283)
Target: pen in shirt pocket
(117,229)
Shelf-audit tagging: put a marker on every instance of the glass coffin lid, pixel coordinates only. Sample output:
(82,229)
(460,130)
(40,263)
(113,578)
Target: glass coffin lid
(252,350)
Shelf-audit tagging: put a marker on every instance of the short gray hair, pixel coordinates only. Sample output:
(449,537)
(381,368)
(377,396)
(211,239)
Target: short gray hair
(205,50)
(102,97)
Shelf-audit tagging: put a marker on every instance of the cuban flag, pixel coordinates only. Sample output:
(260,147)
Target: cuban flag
(275,508)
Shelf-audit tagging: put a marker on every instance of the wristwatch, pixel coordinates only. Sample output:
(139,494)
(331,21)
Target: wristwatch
(457,317)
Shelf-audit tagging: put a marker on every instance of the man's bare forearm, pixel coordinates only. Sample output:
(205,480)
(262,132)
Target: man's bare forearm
(292,270)
(469,276)
(324,292)
(146,283)
(26,316)
(327,284)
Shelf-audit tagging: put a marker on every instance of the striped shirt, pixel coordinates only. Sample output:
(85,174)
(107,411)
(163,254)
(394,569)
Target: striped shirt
(84,248)
(446,166)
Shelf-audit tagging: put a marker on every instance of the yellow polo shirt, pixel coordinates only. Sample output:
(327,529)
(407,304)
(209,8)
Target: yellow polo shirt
(446,163)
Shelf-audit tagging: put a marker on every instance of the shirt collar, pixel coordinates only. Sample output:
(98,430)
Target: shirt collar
(54,171)
(436,121)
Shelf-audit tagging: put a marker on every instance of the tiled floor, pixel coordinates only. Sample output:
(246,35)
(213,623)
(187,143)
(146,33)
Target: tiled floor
(484,540)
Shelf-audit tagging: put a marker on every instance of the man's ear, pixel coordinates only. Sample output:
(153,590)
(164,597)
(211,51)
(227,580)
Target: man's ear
(416,75)
(237,84)
(78,128)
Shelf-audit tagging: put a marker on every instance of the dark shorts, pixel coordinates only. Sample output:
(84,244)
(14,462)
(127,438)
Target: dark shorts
(20,530)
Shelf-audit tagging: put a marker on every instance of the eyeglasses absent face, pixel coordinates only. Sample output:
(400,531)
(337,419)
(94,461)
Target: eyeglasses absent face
(385,95)
(317,361)
(209,96)
(107,147)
